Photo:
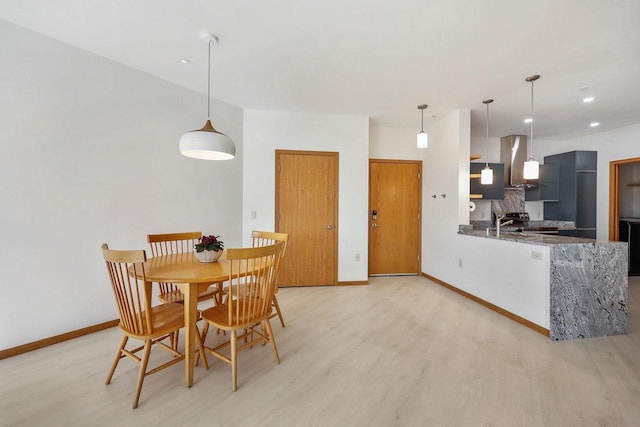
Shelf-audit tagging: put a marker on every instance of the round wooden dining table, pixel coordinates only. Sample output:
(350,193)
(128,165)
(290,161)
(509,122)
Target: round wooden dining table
(192,277)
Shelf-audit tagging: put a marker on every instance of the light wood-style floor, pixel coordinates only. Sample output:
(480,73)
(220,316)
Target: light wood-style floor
(402,351)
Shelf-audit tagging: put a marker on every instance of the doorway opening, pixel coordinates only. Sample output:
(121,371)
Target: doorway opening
(624,193)
(624,208)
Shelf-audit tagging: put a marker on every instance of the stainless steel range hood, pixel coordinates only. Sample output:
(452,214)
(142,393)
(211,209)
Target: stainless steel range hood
(513,153)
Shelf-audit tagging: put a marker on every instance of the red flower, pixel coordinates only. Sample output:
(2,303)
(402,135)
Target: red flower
(209,243)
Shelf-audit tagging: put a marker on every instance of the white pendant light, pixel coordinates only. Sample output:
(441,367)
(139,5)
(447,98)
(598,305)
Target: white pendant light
(423,139)
(531,166)
(207,143)
(486,176)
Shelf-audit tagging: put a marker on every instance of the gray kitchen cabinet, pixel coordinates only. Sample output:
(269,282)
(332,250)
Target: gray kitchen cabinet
(547,187)
(577,198)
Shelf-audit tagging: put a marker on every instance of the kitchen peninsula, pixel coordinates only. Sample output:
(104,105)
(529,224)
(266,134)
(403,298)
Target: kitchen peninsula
(587,283)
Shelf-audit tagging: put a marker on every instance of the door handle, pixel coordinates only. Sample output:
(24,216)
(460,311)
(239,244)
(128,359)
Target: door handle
(329,227)
(375,225)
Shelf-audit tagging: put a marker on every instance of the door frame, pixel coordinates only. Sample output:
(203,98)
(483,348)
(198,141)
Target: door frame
(614,196)
(336,156)
(419,163)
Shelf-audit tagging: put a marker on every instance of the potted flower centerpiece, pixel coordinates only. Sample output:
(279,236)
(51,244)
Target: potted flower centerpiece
(209,248)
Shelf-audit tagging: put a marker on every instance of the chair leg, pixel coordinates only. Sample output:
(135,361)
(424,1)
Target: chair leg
(205,331)
(174,339)
(248,333)
(217,297)
(201,351)
(234,361)
(123,342)
(266,326)
(277,306)
(143,371)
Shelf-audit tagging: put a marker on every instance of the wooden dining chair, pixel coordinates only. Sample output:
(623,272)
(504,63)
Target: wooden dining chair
(265,238)
(258,239)
(138,318)
(178,243)
(255,271)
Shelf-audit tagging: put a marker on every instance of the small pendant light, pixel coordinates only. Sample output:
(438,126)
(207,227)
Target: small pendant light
(486,176)
(207,143)
(531,166)
(423,139)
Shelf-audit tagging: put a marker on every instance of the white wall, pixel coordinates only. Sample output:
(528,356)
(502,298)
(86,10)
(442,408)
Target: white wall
(394,143)
(489,269)
(267,131)
(445,176)
(494,270)
(90,155)
(480,146)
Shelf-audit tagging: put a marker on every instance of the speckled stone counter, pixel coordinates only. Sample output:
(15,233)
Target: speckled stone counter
(561,225)
(532,238)
(588,284)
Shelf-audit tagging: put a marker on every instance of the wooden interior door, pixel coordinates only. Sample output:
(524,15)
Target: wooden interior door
(394,217)
(307,209)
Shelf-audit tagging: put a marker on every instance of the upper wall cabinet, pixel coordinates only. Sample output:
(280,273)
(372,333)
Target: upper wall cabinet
(547,186)
(493,191)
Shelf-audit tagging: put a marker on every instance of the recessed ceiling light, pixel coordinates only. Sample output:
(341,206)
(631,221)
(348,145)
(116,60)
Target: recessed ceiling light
(588,99)
(528,120)
(594,124)
(185,60)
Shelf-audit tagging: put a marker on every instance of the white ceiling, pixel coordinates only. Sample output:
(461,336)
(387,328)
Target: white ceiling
(377,58)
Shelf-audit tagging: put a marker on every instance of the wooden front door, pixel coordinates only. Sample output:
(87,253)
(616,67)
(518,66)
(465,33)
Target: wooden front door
(394,217)
(307,209)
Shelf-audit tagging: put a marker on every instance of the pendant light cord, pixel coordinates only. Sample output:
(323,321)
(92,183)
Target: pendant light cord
(486,159)
(422,122)
(209,84)
(532,81)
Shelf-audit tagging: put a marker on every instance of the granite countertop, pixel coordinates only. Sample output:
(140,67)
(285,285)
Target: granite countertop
(530,238)
(561,225)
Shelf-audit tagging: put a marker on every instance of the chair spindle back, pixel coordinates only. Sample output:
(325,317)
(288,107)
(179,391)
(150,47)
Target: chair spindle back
(172,243)
(253,270)
(266,238)
(132,295)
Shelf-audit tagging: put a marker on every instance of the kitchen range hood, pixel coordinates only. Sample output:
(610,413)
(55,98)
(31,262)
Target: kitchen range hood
(513,153)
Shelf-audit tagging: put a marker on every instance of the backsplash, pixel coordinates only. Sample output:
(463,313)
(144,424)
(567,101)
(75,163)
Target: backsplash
(513,202)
